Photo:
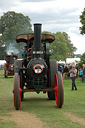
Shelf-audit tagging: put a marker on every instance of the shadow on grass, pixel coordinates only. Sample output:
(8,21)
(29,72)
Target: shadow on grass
(35,99)
(37,103)
(2,77)
(9,77)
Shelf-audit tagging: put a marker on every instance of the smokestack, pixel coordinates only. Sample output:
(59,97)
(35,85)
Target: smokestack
(37,37)
(37,50)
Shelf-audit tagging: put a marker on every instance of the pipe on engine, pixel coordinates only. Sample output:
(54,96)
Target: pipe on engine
(37,37)
(37,51)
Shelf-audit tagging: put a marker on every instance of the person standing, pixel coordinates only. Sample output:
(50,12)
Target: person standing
(83,76)
(73,73)
(80,72)
(77,70)
(61,69)
(65,72)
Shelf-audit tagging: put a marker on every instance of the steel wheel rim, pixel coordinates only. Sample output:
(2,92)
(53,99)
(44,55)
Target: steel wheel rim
(18,94)
(20,91)
(13,90)
(63,89)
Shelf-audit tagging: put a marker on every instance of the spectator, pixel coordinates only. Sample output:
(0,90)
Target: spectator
(61,69)
(70,67)
(80,72)
(77,70)
(83,76)
(73,72)
(1,66)
(66,71)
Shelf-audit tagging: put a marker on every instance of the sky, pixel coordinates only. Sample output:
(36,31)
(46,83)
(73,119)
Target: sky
(54,15)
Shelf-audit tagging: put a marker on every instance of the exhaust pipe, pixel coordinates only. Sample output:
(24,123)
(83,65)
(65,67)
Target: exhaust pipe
(37,37)
(37,48)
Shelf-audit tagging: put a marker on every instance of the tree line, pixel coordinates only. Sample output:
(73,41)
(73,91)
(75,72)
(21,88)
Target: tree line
(12,24)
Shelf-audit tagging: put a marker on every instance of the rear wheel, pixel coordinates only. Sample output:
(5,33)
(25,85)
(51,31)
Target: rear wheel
(21,85)
(17,91)
(52,72)
(59,90)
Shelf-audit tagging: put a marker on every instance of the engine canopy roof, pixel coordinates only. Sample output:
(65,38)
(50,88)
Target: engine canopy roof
(28,38)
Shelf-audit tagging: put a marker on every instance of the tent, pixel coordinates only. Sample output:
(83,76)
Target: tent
(72,60)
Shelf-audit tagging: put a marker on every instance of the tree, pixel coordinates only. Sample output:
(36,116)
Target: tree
(12,24)
(2,48)
(82,60)
(61,46)
(82,20)
(71,47)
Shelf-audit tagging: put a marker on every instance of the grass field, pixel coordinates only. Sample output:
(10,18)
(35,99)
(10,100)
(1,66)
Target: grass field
(71,115)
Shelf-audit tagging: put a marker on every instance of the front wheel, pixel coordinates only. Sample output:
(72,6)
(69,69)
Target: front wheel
(59,90)
(17,91)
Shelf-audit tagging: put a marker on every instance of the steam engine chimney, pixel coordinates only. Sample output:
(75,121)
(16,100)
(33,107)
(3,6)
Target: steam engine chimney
(37,37)
(37,48)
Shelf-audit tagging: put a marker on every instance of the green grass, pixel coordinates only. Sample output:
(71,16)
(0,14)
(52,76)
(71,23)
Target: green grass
(46,110)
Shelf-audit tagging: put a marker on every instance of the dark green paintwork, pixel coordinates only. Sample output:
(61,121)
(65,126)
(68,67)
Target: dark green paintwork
(38,84)
(47,53)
